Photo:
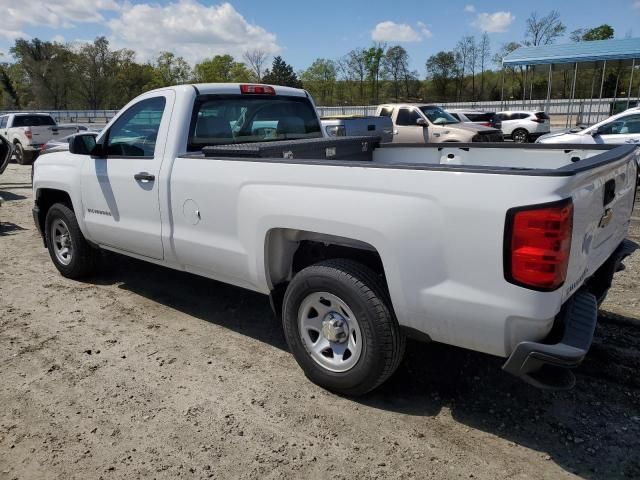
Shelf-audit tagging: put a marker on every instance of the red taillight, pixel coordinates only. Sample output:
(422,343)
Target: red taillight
(537,245)
(28,133)
(257,89)
(486,124)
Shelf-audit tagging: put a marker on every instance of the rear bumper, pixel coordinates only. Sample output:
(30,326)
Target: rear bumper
(530,360)
(545,364)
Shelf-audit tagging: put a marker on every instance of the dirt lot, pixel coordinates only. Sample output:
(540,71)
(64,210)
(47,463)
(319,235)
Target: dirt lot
(143,372)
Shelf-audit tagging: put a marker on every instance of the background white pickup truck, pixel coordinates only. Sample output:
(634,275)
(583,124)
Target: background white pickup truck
(27,132)
(496,248)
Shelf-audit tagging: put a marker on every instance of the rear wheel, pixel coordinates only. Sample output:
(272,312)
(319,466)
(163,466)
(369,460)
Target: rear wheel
(520,135)
(71,253)
(340,327)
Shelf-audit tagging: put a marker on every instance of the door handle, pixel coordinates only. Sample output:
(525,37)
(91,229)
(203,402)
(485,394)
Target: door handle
(144,177)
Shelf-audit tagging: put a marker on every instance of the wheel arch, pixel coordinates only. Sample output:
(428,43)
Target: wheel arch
(287,251)
(45,198)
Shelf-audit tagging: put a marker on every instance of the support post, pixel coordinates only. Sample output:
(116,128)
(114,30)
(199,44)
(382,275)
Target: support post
(593,83)
(573,91)
(633,67)
(549,80)
(533,76)
(502,91)
(524,85)
(604,68)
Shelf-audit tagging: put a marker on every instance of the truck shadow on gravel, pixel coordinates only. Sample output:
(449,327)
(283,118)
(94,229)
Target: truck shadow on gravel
(592,430)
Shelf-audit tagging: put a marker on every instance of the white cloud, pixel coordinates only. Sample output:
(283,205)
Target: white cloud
(426,33)
(52,13)
(470,9)
(493,22)
(389,31)
(58,38)
(188,28)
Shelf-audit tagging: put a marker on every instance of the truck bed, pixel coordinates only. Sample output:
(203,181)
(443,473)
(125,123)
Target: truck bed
(503,158)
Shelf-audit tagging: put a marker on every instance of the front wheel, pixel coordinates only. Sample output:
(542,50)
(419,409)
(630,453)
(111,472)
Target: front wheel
(340,327)
(70,252)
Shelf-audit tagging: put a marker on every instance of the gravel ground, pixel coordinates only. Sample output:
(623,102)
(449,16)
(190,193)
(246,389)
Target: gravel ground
(144,372)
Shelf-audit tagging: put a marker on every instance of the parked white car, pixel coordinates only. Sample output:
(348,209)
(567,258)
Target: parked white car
(621,128)
(522,126)
(27,132)
(358,245)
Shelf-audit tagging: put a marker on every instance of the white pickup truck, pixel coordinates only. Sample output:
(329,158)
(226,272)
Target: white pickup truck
(497,248)
(27,132)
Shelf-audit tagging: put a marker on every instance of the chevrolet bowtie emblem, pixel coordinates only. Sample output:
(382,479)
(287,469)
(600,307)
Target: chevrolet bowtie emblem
(606,218)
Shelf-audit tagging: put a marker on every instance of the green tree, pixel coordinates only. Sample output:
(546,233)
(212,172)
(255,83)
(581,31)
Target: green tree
(373,64)
(396,67)
(602,32)
(320,80)
(441,70)
(46,67)
(221,68)
(170,70)
(95,66)
(131,79)
(281,73)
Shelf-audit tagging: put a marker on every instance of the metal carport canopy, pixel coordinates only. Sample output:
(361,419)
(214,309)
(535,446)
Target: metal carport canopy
(594,51)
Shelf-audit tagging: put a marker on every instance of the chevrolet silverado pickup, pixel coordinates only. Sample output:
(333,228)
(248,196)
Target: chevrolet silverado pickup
(498,248)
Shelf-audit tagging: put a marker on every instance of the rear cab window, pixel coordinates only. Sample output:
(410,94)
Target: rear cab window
(407,117)
(33,121)
(227,119)
(386,112)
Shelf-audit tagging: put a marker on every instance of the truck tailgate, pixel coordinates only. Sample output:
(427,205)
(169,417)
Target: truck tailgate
(602,201)
(43,134)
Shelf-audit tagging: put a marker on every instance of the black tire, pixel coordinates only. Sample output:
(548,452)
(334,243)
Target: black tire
(383,343)
(19,153)
(84,257)
(520,135)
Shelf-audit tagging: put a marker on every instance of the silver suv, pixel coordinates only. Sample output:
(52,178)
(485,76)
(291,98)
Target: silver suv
(423,123)
(523,126)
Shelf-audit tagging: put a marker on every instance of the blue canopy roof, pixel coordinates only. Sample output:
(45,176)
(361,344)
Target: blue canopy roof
(594,51)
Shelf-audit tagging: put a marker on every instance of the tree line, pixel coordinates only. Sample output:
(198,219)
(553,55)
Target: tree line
(52,75)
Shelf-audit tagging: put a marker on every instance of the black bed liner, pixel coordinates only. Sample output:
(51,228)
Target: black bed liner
(610,153)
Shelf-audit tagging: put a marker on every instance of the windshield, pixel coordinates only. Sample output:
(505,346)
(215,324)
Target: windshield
(438,116)
(225,119)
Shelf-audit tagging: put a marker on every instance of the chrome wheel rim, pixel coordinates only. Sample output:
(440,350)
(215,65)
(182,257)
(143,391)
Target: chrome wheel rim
(330,331)
(61,242)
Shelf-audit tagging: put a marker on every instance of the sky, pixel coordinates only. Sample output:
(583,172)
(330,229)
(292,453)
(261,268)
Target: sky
(300,31)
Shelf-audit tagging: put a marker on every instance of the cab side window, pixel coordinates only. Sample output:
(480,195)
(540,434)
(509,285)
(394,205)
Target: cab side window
(135,133)
(407,117)
(3,122)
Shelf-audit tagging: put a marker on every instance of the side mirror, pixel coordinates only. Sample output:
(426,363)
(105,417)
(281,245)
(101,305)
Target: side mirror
(6,150)
(84,144)
(421,122)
